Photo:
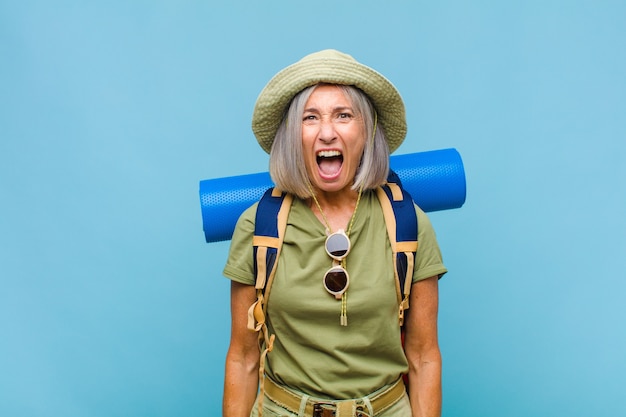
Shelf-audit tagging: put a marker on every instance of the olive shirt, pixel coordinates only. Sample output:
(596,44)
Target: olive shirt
(313,353)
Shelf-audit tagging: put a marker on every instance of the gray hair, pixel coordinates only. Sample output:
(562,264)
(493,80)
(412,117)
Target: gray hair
(287,167)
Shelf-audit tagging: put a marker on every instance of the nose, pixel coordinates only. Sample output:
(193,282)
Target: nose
(327,132)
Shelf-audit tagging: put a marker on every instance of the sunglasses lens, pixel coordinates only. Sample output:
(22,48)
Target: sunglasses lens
(336,280)
(337,245)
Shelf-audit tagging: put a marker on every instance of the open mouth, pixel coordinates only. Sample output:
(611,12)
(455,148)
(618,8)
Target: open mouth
(329,162)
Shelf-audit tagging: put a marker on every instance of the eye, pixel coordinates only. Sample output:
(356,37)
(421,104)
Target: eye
(344,116)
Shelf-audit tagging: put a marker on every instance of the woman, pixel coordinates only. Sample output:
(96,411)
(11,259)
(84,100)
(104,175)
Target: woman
(329,124)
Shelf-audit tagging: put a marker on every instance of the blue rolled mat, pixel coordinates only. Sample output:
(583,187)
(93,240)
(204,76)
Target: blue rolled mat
(435,180)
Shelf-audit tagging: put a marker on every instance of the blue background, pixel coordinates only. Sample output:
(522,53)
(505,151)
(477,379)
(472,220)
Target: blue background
(112,304)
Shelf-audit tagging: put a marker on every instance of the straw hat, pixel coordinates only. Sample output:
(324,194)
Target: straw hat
(333,67)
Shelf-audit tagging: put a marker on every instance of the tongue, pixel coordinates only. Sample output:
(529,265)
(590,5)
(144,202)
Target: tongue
(330,166)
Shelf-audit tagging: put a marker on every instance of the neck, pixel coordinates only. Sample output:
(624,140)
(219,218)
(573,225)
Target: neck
(335,210)
(336,200)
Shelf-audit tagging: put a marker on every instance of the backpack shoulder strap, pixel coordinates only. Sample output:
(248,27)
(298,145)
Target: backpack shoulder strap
(401,221)
(269,231)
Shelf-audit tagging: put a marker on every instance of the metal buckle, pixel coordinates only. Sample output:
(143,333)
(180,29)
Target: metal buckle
(330,410)
(324,410)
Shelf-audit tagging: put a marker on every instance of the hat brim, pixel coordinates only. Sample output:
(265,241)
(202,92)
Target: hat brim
(329,67)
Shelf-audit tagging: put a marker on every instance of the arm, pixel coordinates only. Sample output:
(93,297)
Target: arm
(422,349)
(242,360)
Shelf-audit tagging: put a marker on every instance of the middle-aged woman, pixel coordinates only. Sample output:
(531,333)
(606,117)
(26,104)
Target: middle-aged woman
(329,124)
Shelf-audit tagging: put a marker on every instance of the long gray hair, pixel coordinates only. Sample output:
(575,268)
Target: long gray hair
(287,167)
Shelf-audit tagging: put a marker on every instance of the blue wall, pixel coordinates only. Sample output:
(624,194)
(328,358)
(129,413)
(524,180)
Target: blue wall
(111,304)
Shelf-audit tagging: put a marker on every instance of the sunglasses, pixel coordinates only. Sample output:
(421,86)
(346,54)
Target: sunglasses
(336,279)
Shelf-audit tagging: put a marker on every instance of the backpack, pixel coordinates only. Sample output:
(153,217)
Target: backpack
(271,222)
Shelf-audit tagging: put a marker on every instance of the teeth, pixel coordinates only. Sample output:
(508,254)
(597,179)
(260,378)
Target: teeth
(328,154)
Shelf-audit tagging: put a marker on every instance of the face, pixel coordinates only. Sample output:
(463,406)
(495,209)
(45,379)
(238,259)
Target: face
(333,139)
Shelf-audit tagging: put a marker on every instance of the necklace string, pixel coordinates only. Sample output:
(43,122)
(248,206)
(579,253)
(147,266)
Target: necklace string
(319,207)
(343,319)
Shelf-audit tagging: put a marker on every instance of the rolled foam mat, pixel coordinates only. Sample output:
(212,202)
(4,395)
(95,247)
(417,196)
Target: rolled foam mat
(435,180)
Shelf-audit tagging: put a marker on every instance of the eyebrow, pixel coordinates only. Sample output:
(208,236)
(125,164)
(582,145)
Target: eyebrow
(335,110)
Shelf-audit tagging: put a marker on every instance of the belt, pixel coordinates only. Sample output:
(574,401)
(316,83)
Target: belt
(322,408)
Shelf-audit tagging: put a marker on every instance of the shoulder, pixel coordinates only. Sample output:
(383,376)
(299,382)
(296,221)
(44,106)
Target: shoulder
(239,266)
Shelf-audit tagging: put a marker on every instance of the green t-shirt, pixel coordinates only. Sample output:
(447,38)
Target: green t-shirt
(312,352)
